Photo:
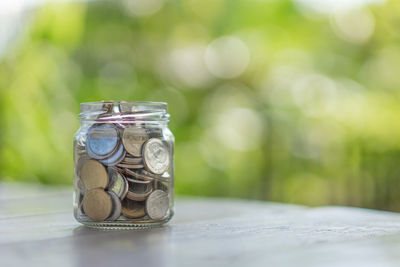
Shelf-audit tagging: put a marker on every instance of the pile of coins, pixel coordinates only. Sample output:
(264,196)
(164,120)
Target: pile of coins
(122,173)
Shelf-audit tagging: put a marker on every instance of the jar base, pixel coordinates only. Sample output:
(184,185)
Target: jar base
(125,225)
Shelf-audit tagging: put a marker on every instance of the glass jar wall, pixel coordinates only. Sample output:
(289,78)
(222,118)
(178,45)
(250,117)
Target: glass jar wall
(123,155)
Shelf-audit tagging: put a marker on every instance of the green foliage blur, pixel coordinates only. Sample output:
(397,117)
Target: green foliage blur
(278,100)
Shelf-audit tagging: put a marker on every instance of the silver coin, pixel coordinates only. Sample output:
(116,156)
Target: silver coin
(130,166)
(155,133)
(137,175)
(129,107)
(133,139)
(152,175)
(118,183)
(155,156)
(134,180)
(117,207)
(139,191)
(102,140)
(115,158)
(130,160)
(157,205)
(125,107)
(141,176)
(160,185)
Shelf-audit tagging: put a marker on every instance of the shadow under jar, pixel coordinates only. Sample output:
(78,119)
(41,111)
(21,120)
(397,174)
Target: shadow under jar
(123,156)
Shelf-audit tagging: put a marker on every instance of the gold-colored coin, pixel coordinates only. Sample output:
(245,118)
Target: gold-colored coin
(97,204)
(133,209)
(93,174)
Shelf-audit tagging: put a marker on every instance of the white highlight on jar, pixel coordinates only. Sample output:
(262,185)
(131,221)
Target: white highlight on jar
(227,57)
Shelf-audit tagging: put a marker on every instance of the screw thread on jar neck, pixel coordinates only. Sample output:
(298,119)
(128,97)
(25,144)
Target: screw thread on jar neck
(124,112)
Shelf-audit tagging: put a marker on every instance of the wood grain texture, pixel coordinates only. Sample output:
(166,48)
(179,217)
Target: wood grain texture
(37,229)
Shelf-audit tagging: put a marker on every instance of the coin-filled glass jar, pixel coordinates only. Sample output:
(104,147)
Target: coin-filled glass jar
(123,156)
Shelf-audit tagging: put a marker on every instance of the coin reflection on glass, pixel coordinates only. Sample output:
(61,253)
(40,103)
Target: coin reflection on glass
(133,139)
(97,204)
(133,209)
(155,156)
(157,205)
(93,174)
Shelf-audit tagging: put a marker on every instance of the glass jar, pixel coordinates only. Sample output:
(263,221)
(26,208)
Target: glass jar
(123,156)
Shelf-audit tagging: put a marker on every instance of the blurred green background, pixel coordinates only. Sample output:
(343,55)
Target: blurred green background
(293,101)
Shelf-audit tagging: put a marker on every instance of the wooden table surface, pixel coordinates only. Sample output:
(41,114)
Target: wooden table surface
(38,229)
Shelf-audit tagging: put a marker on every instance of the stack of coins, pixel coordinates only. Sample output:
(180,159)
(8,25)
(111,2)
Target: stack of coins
(122,172)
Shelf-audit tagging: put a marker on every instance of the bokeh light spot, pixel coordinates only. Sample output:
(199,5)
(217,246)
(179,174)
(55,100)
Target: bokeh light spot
(188,66)
(355,26)
(239,129)
(227,57)
(143,7)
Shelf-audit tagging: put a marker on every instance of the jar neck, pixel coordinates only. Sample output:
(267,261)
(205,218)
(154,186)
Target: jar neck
(125,112)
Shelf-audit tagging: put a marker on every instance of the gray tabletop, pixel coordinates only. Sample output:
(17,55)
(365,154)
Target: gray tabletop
(38,229)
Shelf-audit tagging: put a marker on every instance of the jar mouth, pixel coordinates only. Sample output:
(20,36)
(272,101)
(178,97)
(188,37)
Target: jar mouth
(124,112)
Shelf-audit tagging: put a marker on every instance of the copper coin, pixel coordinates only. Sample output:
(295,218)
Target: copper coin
(97,204)
(93,174)
(133,209)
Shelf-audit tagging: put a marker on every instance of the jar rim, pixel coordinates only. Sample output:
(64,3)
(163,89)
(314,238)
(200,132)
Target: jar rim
(126,111)
(152,104)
